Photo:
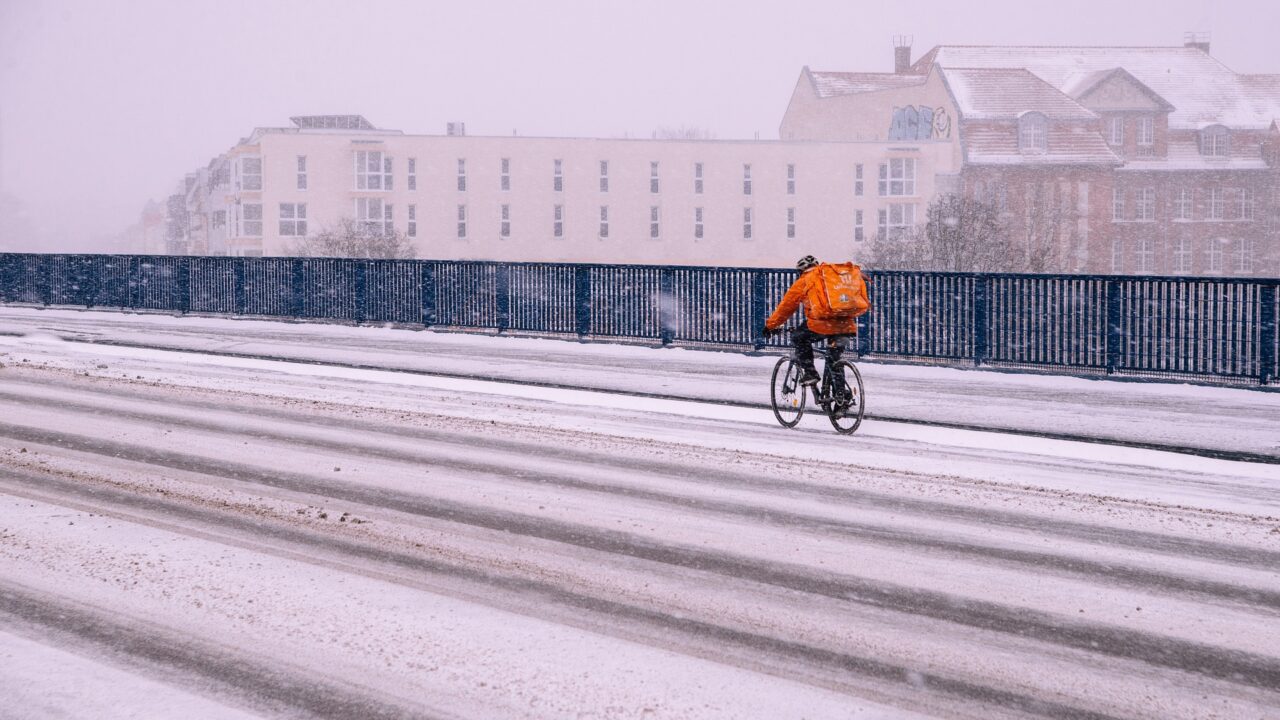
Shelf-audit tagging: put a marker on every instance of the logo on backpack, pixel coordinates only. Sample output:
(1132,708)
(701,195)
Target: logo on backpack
(841,292)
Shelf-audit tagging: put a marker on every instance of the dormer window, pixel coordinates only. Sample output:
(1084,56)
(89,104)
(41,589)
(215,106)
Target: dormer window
(1033,133)
(1215,141)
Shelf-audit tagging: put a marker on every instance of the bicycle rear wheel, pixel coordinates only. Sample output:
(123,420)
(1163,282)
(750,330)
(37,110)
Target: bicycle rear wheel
(786,392)
(848,403)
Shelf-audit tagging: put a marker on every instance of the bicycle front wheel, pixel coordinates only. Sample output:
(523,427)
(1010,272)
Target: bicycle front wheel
(848,403)
(786,392)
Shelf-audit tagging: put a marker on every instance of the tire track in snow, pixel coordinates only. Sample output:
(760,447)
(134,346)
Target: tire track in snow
(1198,658)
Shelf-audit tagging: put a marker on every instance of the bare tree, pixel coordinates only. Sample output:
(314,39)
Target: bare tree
(959,235)
(683,132)
(353,239)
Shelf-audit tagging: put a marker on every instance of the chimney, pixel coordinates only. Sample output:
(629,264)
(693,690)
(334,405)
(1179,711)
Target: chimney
(901,54)
(1197,40)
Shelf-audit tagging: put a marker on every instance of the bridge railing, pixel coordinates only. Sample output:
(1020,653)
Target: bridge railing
(1139,326)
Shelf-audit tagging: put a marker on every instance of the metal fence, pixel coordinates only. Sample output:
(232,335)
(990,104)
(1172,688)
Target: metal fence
(1145,327)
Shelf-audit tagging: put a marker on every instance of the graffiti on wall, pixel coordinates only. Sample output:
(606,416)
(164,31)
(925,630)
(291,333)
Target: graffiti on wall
(920,123)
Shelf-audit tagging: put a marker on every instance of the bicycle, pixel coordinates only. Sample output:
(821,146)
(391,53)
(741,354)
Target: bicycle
(839,393)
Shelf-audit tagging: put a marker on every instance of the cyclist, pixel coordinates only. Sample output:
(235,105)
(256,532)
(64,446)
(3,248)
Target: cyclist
(805,290)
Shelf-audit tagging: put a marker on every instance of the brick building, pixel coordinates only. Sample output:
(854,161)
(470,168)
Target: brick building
(1129,160)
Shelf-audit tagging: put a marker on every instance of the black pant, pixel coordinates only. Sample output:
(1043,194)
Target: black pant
(804,338)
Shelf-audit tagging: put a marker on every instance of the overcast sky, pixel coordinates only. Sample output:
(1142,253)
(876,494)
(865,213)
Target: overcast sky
(106,104)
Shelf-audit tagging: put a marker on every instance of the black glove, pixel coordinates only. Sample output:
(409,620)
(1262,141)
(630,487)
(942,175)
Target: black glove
(770,333)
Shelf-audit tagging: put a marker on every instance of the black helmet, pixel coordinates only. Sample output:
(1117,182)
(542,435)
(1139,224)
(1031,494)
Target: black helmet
(806,262)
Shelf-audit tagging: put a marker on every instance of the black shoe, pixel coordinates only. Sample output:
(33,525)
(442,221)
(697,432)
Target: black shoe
(810,378)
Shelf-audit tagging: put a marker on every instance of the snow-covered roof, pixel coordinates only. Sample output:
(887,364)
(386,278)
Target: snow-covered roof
(1067,145)
(832,84)
(1006,93)
(1200,88)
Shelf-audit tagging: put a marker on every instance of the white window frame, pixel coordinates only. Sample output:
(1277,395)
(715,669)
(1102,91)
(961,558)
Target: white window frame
(557,221)
(747,229)
(697,223)
(746,178)
(1145,254)
(462,176)
(293,219)
(462,221)
(859,234)
(1182,255)
(1214,253)
(249,219)
(898,178)
(1146,204)
(1215,141)
(697,178)
(655,222)
(1117,255)
(1244,204)
(1217,204)
(1146,135)
(374,214)
(301,180)
(504,174)
(1244,255)
(249,179)
(1115,131)
(504,224)
(857,180)
(372,168)
(791,223)
(896,219)
(557,175)
(791,178)
(412,227)
(655,186)
(604,176)
(1117,204)
(411,181)
(1033,133)
(1184,204)
(604,221)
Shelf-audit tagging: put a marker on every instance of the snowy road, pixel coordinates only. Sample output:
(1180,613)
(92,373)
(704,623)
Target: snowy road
(228,537)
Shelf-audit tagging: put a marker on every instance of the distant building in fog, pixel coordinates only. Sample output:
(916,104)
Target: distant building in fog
(1130,160)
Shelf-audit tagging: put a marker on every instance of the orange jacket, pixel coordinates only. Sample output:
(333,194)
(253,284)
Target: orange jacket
(801,292)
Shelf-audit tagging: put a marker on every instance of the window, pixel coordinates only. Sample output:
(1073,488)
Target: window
(293,219)
(1117,204)
(557,175)
(1182,255)
(413,220)
(653,221)
(697,178)
(791,223)
(504,228)
(1214,251)
(1215,204)
(557,225)
(898,177)
(1115,131)
(857,179)
(302,172)
(462,222)
(219,218)
(1033,133)
(1146,198)
(791,179)
(1146,135)
(462,178)
(1117,255)
(374,215)
(504,174)
(250,174)
(1145,253)
(604,177)
(1244,255)
(896,219)
(653,178)
(746,223)
(858,233)
(1214,141)
(413,174)
(1182,203)
(251,213)
(373,170)
(746,179)
(604,221)
(1244,204)
(697,223)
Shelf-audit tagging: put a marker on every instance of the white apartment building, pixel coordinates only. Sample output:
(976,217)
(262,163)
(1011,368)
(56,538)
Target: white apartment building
(521,199)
